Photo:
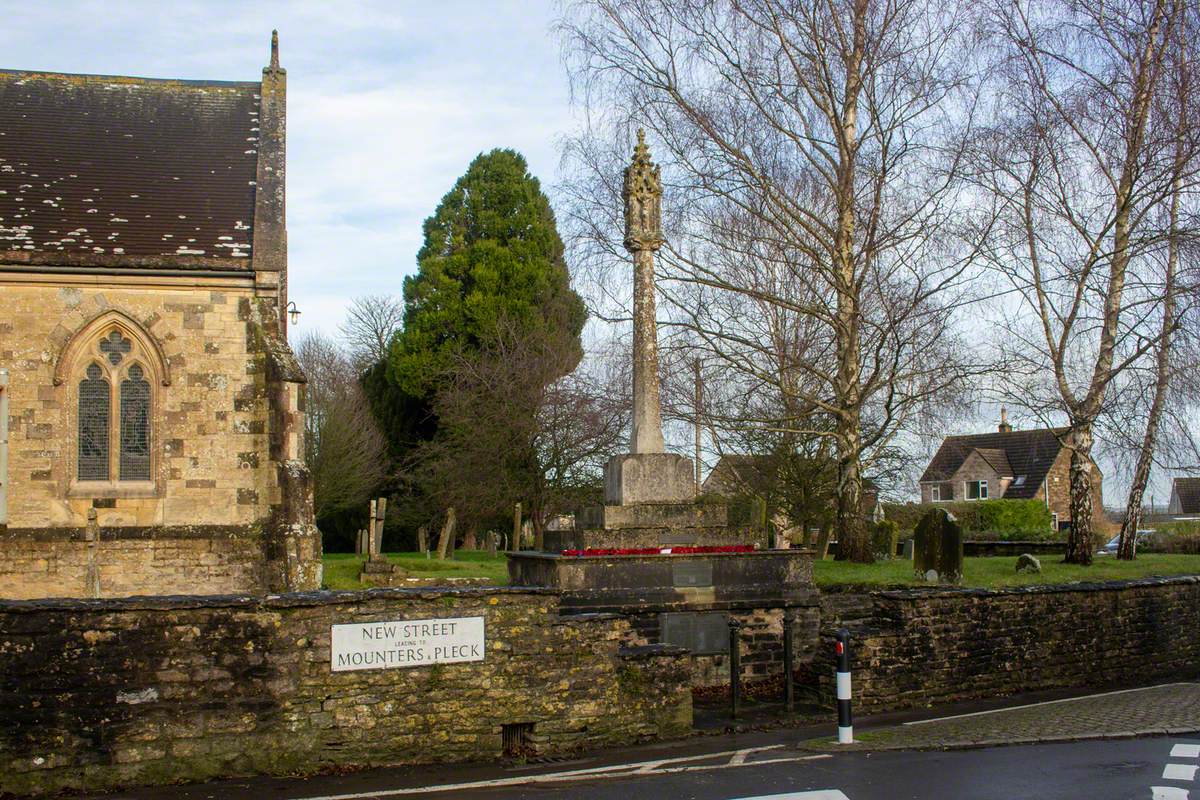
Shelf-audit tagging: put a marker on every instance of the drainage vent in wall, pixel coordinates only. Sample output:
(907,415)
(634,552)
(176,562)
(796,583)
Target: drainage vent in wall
(517,739)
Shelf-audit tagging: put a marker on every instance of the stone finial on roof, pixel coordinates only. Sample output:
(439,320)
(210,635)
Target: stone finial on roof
(642,194)
(274,51)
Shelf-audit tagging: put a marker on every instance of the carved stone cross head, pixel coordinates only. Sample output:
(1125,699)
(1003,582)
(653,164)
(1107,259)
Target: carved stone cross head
(642,194)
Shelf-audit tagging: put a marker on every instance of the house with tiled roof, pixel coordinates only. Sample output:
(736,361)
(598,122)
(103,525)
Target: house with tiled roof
(1007,464)
(1185,497)
(151,412)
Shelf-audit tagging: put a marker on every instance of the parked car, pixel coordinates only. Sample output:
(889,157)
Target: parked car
(1110,549)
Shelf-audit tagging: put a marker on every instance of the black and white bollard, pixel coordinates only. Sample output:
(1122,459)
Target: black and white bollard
(845,725)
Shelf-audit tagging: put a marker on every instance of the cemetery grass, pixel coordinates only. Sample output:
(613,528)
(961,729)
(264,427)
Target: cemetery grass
(996,572)
(341,569)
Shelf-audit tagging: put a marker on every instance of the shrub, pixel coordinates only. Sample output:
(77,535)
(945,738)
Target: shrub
(884,536)
(1166,542)
(1000,520)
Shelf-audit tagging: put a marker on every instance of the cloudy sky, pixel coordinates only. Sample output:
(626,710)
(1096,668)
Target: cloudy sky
(387,104)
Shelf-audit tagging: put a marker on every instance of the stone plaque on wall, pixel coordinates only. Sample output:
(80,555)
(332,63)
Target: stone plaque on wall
(406,643)
(692,573)
(701,633)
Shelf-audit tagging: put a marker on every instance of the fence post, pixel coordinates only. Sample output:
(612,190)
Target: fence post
(735,666)
(789,687)
(845,723)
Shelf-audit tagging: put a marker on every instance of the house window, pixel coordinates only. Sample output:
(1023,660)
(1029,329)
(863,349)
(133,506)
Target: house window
(977,490)
(935,493)
(113,413)
(1054,520)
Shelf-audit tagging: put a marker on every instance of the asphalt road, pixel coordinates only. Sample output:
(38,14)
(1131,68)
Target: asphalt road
(770,766)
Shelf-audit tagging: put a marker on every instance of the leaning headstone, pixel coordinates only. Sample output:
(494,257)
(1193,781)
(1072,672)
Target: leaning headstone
(446,539)
(938,547)
(1028,563)
(423,539)
(492,536)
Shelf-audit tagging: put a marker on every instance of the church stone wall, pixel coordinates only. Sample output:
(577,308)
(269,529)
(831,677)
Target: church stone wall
(199,523)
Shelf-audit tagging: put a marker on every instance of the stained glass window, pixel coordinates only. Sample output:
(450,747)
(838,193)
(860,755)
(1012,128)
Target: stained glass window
(94,403)
(135,426)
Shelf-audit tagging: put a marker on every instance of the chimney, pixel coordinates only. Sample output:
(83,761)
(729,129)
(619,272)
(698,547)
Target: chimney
(1004,426)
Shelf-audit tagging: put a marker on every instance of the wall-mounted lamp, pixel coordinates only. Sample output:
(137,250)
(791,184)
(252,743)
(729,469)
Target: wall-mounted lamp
(293,312)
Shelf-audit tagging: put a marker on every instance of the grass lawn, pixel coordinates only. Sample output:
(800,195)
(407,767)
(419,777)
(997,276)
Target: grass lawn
(1001,571)
(341,569)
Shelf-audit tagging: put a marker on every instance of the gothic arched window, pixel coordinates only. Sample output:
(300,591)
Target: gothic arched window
(115,411)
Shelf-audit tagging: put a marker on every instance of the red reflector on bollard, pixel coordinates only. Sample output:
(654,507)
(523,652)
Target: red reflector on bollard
(839,648)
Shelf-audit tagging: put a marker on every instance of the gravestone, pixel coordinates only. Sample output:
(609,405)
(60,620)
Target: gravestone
(1028,563)
(423,539)
(938,548)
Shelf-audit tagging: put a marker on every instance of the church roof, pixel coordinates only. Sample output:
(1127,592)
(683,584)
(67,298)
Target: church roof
(1029,456)
(115,171)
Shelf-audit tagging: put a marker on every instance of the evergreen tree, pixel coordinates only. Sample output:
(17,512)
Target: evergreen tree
(492,252)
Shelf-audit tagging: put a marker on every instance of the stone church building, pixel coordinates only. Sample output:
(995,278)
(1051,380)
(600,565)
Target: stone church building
(151,412)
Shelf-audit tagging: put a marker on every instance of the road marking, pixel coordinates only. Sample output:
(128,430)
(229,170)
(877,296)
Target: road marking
(1185,751)
(739,757)
(1180,772)
(1049,703)
(820,794)
(664,766)
(1168,793)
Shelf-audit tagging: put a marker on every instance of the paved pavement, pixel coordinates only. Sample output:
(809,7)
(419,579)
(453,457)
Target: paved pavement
(1168,709)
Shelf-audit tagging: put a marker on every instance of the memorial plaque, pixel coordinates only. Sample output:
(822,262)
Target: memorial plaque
(406,643)
(692,573)
(701,633)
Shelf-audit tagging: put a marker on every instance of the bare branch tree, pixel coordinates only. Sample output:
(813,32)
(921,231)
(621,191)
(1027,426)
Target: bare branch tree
(344,449)
(370,324)
(1078,167)
(817,241)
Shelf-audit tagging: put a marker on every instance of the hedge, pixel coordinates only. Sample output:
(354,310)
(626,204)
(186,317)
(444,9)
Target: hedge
(1002,519)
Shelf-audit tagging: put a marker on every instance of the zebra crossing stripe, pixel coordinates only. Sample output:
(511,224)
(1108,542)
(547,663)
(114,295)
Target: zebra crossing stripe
(1168,793)
(1180,772)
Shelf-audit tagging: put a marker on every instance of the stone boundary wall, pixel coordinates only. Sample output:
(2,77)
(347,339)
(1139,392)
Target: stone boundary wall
(926,646)
(99,694)
(55,562)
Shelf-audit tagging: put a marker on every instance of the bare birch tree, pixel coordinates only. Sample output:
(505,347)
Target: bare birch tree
(1179,109)
(811,155)
(1078,169)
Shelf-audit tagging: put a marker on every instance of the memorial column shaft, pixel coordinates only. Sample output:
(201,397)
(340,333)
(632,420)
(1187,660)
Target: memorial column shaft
(647,417)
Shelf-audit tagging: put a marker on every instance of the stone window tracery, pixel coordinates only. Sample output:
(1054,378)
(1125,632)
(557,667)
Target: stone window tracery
(114,419)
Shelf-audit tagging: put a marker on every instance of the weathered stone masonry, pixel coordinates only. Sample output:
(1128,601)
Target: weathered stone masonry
(99,694)
(928,646)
